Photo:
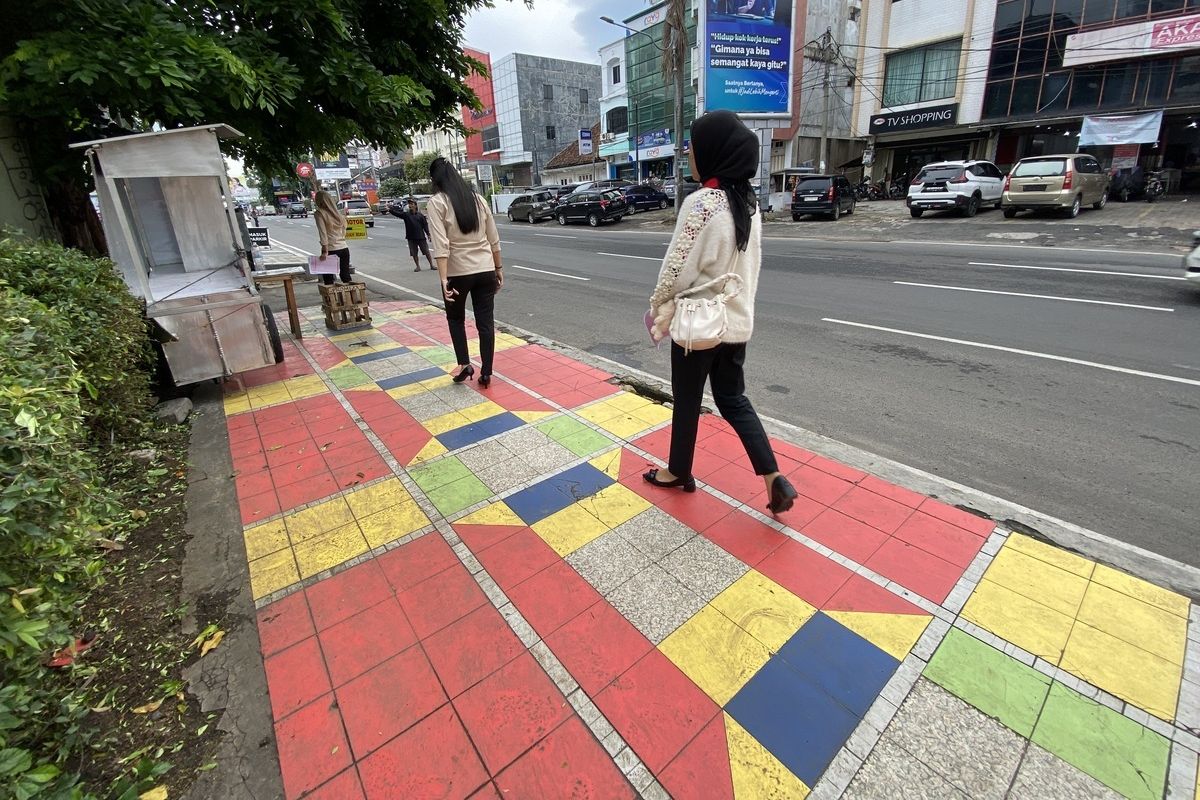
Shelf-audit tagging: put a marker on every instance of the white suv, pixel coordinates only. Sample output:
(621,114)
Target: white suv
(960,185)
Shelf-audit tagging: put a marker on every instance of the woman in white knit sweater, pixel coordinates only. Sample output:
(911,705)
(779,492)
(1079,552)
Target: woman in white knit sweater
(718,232)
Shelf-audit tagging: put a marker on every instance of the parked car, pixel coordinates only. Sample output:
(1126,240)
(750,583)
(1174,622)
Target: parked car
(1064,183)
(594,206)
(827,195)
(689,186)
(267,211)
(297,210)
(1191,262)
(961,186)
(644,197)
(532,207)
(358,208)
(611,183)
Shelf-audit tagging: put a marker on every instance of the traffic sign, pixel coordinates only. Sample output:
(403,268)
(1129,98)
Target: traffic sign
(304,170)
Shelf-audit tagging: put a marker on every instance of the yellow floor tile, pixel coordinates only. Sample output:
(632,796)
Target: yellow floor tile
(1149,682)
(600,412)
(609,463)
(437,383)
(400,392)
(757,774)
(446,422)
(432,449)
(330,549)
(764,609)
(715,653)
(1051,554)
(262,540)
(377,497)
(1140,624)
(1037,628)
(313,521)
(570,529)
(392,523)
(625,426)
(653,414)
(1167,600)
(1047,584)
(366,387)
(271,573)
(482,411)
(534,416)
(236,404)
(269,395)
(615,505)
(628,402)
(893,633)
(498,513)
(305,386)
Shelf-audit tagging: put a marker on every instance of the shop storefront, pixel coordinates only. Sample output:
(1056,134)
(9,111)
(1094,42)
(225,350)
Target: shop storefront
(906,141)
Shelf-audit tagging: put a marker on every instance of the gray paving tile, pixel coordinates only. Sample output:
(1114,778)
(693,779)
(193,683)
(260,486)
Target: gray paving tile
(548,457)
(655,533)
(655,603)
(485,455)
(522,440)
(507,474)
(424,406)
(972,751)
(703,567)
(396,365)
(458,397)
(608,561)
(891,773)
(1045,776)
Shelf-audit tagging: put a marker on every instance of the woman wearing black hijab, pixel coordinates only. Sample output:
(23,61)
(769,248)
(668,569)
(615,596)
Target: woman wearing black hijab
(718,232)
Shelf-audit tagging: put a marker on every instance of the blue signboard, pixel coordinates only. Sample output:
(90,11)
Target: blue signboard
(654,138)
(748,56)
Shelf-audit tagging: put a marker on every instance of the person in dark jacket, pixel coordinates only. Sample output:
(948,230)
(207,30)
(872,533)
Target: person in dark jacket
(416,230)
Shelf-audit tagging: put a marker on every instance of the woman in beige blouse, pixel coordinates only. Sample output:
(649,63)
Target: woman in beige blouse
(331,228)
(466,247)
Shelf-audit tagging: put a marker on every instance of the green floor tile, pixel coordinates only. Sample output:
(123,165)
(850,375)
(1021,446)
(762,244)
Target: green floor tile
(459,494)
(560,428)
(437,355)
(586,442)
(1112,748)
(348,377)
(996,684)
(438,474)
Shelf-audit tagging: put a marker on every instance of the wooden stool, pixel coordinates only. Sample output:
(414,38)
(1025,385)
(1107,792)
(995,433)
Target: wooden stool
(345,306)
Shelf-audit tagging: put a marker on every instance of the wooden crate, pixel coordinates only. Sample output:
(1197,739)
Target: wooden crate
(345,305)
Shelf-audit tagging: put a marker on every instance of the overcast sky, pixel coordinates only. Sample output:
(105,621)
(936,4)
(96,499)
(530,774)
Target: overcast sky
(568,29)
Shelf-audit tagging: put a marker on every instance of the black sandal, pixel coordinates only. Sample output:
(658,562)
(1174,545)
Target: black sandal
(687,484)
(783,495)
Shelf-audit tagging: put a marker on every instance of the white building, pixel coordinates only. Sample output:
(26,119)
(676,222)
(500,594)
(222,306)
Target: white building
(614,111)
(447,142)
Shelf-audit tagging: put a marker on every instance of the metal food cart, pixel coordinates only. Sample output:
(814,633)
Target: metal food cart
(173,228)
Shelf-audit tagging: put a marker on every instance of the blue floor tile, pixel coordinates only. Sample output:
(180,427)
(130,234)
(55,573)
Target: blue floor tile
(412,377)
(478,431)
(501,423)
(537,502)
(581,482)
(841,663)
(397,351)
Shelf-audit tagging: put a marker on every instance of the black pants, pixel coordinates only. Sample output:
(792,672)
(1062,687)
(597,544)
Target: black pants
(343,257)
(723,364)
(481,286)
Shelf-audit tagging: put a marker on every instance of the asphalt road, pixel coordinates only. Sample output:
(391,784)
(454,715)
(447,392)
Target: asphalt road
(1082,402)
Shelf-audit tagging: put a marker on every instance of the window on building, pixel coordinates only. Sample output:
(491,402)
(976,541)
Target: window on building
(491,138)
(926,73)
(617,120)
(583,97)
(550,131)
(547,91)
(616,74)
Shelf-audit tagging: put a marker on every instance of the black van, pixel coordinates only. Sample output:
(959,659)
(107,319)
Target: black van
(828,195)
(593,205)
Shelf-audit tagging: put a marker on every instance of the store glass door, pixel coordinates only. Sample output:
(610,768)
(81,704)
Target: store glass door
(908,161)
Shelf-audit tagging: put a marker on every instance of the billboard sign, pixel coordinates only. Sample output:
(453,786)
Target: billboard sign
(748,57)
(654,138)
(333,167)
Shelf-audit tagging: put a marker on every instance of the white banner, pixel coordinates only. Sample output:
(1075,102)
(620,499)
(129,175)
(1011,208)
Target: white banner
(1121,129)
(585,142)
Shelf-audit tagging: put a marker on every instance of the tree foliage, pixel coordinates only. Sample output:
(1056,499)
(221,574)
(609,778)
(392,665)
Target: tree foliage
(417,168)
(393,187)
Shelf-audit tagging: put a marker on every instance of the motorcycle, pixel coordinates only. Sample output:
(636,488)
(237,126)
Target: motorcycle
(1155,188)
(899,188)
(1127,183)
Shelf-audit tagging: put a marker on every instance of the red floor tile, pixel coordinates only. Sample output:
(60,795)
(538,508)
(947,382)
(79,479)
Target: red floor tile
(657,443)
(875,510)
(345,594)
(836,469)
(488,792)
(247,444)
(913,568)
(702,771)
(291,452)
(258,507)
(956,516)
(745,538)
(818,485)
(432,759)
(791,451)
(553,597)
(516,558)
(283,623)
(388,700)
(481,537)
(344,786)
(893,492)
(303,470)
(312,747)
(656,709)
(737,481)
(942,539)
(255,483)
(295,677)
(567,763)
(280,437)
(710,467)
(356,451)
(370,637)
(860,594)
(366,471)
(467,651)
(698,510)
(725,443)
(804,572)
(440,600)
(510,710)
(844,535)
(329,424)
(598,646)
(297,494)
(411,563)
(247,465)
(339,437)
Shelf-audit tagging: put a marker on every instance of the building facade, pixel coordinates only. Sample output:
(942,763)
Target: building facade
(614,111)
(569,166)
(483,143)
(541,105)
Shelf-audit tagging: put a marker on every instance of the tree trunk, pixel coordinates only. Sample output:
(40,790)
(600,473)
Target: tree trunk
(75,217)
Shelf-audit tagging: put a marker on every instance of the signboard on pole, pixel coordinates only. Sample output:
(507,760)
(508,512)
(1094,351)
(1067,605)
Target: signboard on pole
(1121,129)
(356,228)
(259,237)
(748,57)
(585,141)
(1125,156)
(333,167)
(304,170)
(484,171)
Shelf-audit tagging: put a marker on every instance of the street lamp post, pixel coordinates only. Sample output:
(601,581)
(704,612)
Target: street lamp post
(637,150)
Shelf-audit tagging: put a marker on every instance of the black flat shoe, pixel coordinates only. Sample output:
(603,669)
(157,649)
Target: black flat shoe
(783,496)
(464,373)
(485,381)
(687,484)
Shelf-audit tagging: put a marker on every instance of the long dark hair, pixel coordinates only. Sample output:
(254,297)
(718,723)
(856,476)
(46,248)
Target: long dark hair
(727,151)
(462,197)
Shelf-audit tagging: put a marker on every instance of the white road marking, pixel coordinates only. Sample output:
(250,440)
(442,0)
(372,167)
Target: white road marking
(555,236)
(1106,250)
(623,255)
(505,241)
(1034,354)
(1070,269)
(1038,296)
(293,250)
(548,272)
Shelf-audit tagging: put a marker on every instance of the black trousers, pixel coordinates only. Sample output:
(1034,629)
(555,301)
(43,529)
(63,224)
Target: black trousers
(723,366)
(482,287)
(343,257)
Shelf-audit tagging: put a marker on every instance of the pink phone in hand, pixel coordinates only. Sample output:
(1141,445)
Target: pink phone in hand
(649,320)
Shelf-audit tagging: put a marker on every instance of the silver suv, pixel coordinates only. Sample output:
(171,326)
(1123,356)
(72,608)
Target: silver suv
(955,185)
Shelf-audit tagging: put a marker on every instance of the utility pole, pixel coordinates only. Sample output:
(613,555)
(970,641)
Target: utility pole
(826,40)
(675,55)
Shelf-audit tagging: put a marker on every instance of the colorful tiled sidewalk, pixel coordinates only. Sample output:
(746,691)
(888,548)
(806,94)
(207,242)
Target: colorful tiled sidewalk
(471,592)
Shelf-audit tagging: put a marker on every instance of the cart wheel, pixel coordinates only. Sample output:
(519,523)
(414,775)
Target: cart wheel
(273,333)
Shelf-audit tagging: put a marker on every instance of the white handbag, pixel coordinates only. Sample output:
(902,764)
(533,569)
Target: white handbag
(700,323)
